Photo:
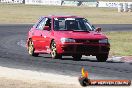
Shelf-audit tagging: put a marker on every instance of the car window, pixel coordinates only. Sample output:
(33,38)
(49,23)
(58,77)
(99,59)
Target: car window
(41,25)
(59,24)
(75,24)
(44,22)
(39,20)
(48,22)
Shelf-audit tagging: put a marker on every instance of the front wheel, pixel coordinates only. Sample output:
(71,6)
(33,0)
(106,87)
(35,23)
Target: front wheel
(102,57)
(54,53)
(31,49)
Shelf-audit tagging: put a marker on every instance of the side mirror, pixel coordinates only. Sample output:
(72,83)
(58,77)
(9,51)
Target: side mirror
(46,28)
(98,29)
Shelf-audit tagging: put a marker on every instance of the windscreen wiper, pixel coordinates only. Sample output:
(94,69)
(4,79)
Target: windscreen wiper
(81,30)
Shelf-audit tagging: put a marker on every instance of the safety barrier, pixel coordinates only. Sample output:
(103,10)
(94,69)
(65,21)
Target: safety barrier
(11,1)
(43,2)
(90,3)
(122,6)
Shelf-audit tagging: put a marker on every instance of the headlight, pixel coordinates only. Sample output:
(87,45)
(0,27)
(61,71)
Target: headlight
(103,41)
(68,40)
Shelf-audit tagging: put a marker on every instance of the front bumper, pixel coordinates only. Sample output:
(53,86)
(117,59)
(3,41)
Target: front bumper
(84,49)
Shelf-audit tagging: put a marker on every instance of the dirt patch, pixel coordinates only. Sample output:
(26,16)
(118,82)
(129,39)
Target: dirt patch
(11,83)
(17,78)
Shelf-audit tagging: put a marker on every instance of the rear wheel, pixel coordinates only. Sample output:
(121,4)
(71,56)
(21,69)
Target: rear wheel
(77,57)
(31,49)
(54,53)
(102,57)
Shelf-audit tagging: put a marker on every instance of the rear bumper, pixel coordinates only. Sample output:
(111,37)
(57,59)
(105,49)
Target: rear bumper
(84,49)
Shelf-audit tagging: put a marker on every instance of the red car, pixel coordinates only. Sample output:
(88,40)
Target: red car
(67,35)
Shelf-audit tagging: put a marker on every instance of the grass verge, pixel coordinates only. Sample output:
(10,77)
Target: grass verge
(121,43)
(20,13)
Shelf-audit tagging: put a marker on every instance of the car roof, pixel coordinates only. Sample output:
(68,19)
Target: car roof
(62,16)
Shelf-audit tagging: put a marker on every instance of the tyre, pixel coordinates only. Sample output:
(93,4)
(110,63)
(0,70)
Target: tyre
(54,51)
(84,81)
(102,57)
(31,49)
(77,57)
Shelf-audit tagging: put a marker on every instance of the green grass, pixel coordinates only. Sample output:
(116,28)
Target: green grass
(121,43)
(19,13)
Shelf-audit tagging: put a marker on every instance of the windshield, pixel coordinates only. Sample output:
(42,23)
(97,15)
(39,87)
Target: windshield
(74,24)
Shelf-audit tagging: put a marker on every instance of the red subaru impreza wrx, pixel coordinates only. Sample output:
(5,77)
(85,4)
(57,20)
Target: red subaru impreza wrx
(67,35)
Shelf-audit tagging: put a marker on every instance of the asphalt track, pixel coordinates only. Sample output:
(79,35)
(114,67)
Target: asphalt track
(13,54)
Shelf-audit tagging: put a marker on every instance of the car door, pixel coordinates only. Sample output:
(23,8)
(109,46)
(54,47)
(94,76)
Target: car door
(47,35)
(39,40)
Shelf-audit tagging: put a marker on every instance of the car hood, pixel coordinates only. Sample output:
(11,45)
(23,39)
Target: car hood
(80,35)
